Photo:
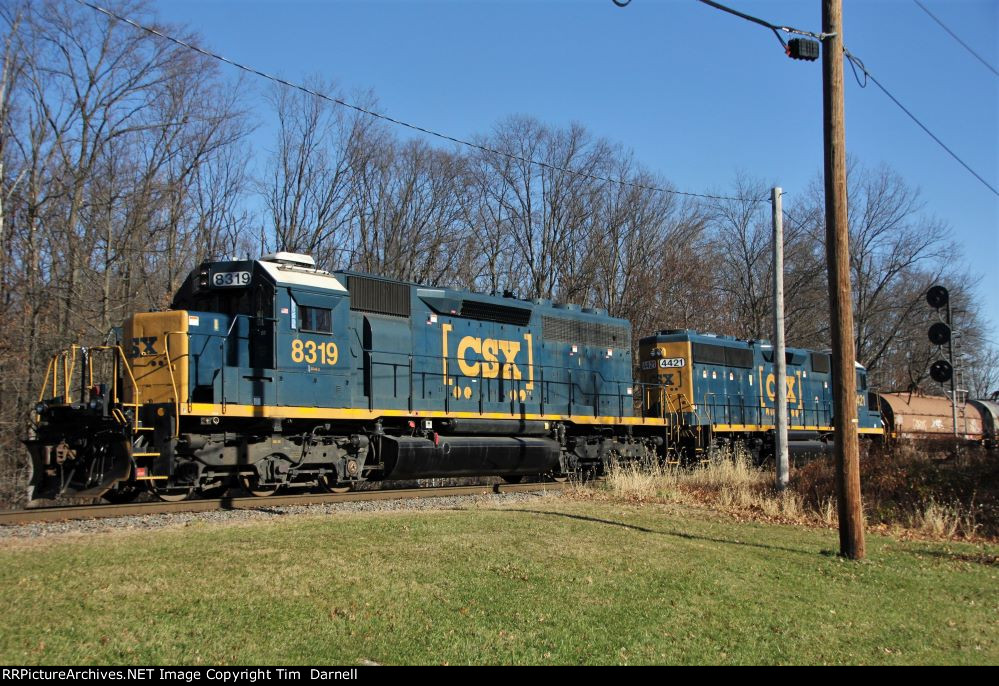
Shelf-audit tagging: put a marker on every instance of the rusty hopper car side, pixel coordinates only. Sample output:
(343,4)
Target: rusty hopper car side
(922,417)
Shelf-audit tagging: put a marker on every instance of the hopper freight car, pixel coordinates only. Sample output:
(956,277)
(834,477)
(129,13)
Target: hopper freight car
(915,416)
(989,410)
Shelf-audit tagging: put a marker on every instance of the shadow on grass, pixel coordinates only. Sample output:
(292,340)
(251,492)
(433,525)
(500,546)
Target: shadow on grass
(975,558)
(676,534)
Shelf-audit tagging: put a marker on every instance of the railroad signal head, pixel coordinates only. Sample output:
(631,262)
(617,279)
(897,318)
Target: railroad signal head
(803,49)
(941,371)
(939,334)
(937,297)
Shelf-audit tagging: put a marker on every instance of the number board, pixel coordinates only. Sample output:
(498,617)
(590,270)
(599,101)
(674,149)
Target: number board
(230,279)
(672,362)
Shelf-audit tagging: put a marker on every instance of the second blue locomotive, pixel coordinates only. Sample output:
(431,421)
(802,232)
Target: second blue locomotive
(715,389)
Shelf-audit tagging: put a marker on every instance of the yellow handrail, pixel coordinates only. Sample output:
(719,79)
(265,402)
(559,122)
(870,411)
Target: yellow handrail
(173,381)
(45,382)
(68,358)
(131,377)
(69,371)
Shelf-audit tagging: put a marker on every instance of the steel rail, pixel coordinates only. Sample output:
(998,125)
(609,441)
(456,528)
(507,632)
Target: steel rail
(76,512)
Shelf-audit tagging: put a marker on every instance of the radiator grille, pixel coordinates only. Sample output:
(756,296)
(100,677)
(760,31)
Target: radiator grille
(381,297)
(593,334)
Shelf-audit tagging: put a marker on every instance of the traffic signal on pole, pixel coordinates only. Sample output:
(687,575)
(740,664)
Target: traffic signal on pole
(941,371)
(937,297)
(939,334)
(803,49)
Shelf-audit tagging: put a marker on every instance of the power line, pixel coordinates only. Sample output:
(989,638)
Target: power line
(868,75)
(957,38)
(399,122)
(762,22)
(854,63)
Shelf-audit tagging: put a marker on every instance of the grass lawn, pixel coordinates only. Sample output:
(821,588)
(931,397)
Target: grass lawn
(554,581)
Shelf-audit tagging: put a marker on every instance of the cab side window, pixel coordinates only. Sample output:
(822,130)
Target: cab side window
(316,319)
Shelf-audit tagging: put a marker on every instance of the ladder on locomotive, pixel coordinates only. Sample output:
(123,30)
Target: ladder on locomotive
(167,362)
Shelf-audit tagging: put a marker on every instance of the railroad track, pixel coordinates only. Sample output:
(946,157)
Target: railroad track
(70,512)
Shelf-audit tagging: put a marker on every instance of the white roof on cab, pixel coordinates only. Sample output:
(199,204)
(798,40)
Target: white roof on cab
(295,269)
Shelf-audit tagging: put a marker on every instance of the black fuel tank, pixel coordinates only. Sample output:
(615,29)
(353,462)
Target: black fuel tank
(494,427)
(418,458)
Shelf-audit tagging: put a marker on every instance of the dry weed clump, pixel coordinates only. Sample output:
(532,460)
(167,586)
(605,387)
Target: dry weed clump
(727,479)
(914,488)
(726,468)
(937,490)
(936,519)
(640,483)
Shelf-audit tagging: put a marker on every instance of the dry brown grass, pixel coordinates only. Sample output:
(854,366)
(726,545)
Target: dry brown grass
(936,519)
(730,482)
(633,482)
(934,490)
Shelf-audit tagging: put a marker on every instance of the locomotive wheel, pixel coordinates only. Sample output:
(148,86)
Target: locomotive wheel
(170,495)
(330,485)
(251,484)
(513,479)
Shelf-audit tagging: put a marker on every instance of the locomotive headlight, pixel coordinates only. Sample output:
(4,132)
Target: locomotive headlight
(94,404)
(40,408)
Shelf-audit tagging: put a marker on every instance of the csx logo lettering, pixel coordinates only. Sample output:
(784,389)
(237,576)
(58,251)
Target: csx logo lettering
(792,396)
(490,358)
(491,350)
(143,346)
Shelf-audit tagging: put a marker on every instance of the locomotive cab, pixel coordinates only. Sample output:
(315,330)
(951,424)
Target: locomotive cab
(272,334)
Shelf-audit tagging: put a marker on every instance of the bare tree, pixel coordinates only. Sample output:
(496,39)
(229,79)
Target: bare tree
(408,206)
(546,211)
(640,254)
(742,244)
(308,189)
(105,133)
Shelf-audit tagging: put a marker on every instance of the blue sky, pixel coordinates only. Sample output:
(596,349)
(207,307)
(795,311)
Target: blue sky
(697,94)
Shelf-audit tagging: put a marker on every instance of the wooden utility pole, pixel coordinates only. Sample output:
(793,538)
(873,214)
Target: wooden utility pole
(780,361)
(851,516)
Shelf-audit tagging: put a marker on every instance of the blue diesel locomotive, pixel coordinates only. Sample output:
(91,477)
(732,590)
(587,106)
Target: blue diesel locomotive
(719,389)
(272,373)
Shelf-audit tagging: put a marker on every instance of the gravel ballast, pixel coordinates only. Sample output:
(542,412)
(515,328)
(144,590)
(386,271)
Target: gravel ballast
(36,530)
